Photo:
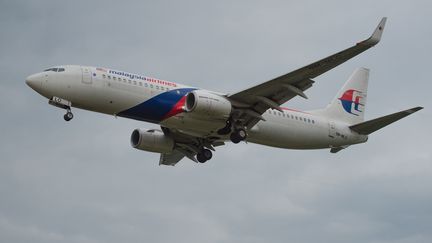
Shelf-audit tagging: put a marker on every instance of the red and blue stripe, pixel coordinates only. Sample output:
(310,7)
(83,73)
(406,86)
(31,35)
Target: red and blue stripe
(159,107)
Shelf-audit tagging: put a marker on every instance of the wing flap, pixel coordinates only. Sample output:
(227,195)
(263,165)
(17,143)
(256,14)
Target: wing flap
(171,159)
(371,126)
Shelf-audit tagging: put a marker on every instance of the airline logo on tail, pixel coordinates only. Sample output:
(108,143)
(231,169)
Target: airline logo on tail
(350,100)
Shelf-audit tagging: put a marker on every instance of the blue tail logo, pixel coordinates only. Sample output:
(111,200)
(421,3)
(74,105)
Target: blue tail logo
(351,101)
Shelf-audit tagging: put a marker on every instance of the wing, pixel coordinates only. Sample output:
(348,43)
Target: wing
(253,102)
(171,159)
(186,146)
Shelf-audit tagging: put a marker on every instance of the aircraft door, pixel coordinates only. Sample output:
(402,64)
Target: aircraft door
(86,75)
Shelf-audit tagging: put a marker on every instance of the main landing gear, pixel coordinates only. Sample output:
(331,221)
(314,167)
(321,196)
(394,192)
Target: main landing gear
(238,135)
(204,155)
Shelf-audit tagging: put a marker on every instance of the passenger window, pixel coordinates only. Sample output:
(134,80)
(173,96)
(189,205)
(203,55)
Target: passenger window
(129,81)
(135,83)
(145,85)
(61,70)
(151,86)
(109,77)
(103,75)
(114,78)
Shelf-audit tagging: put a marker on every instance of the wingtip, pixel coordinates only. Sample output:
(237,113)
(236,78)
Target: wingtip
(415,109)
(377,34)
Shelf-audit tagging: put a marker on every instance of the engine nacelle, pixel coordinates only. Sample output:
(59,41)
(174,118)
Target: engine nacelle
(152,141)
(207,105)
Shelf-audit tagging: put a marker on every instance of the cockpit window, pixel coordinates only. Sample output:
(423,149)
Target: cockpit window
(55,70)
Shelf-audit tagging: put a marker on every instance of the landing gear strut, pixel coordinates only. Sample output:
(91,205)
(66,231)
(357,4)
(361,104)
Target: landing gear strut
(204,155)
(225,130)
(238,135)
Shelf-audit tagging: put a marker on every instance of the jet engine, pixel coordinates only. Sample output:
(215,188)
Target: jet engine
(206,105)
(152,141)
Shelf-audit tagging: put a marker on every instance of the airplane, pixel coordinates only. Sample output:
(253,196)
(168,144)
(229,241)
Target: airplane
(194,121)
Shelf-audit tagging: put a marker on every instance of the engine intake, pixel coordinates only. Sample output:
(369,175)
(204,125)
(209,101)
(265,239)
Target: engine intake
(207,105)
(152,141)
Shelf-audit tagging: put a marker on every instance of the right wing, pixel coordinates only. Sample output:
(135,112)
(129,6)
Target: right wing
(253,102)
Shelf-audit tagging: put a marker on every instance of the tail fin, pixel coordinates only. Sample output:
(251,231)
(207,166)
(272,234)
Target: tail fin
(350,102)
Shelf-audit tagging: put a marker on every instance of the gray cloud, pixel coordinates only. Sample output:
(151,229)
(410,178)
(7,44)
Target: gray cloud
(82,182)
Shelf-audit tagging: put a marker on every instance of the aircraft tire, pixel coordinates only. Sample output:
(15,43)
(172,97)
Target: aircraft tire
(68,116)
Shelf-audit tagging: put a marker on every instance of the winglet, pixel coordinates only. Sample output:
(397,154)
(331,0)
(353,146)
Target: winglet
(376,36)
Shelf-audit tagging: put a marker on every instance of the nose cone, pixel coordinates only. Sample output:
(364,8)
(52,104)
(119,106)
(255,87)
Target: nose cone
(34,81)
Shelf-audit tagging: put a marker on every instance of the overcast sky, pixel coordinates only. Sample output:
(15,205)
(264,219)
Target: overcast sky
(82,182)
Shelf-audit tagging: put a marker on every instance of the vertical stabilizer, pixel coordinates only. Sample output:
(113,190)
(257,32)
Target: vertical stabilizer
(350,102)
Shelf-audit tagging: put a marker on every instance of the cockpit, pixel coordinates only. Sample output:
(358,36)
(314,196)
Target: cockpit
(54,69)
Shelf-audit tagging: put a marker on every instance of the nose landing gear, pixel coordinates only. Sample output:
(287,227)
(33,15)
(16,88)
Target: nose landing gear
(64,104)
(68,116)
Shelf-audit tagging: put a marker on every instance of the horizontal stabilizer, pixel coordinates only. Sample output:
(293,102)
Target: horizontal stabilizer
(371,126)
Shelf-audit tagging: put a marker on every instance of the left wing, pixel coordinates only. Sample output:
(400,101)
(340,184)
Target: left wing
(253,102)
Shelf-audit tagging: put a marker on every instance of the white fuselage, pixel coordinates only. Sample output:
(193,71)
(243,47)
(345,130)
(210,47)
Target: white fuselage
(148,99)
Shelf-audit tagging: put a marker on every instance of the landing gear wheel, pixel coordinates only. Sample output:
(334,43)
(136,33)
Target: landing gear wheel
(234,138)
(204,155)
(207,154)
(238,135)
(241,133)
(201,158)
(68,116)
